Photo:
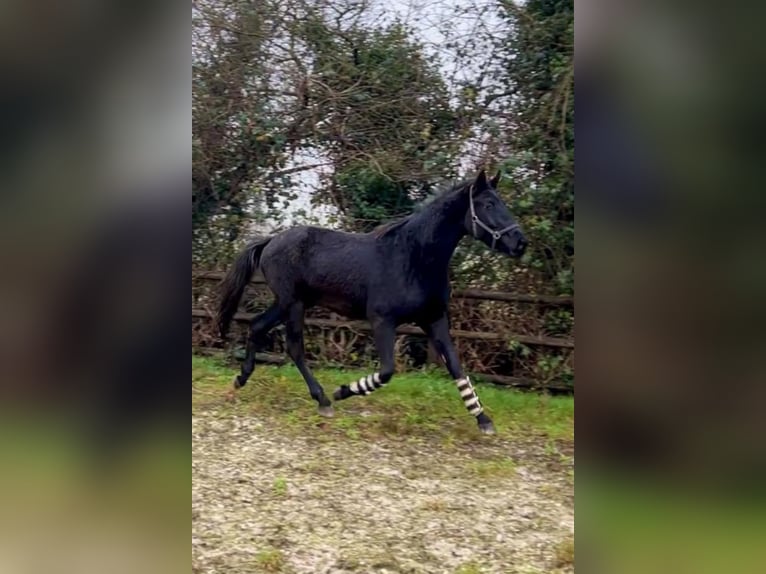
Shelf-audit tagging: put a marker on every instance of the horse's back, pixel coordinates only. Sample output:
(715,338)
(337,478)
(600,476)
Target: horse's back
(321,266)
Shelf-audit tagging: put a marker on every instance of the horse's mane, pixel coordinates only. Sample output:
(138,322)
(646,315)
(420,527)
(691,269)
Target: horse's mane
(388,227)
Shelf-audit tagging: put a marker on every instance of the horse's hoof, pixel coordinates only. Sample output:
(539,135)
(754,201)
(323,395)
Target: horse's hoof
(236,383)
(327,411)
(341,393)
(487,428)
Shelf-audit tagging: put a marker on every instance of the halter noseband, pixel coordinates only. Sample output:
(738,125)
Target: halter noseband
(476,221)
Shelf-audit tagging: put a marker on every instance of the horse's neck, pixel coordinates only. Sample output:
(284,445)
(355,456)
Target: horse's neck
(438,233)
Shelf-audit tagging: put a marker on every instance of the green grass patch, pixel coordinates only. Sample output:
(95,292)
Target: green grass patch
(469,568)
(271,560)
(280,486)
(414,403)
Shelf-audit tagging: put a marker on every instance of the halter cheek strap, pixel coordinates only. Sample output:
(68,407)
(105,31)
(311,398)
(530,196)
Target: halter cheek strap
(496,234)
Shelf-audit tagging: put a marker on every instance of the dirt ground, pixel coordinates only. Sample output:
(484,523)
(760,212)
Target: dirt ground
(266,501)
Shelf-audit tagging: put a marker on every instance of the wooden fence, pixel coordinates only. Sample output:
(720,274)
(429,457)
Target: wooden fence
(561,343)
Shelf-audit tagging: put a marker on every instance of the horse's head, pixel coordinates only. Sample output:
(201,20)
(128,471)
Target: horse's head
(489,220)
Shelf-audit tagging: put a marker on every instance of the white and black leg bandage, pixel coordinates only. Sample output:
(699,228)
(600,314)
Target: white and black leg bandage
(366,385)
(469,396)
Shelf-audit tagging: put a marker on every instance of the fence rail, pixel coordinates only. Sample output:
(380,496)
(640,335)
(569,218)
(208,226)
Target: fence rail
(409,330)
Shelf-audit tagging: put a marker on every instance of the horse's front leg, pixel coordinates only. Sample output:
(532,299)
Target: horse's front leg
(384,332)
(438,333)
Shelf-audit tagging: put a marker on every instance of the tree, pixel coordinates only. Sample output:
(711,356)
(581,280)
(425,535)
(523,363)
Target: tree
(539,112)
(383,117)
(247,115)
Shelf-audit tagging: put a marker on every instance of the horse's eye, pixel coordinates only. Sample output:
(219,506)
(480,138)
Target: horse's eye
(489,206)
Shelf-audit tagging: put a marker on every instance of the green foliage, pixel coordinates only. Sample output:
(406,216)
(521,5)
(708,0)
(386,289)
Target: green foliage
(519,348)
(372,197)
(387,121)
(559,322)
(236,137)
(550,367)
(538,61)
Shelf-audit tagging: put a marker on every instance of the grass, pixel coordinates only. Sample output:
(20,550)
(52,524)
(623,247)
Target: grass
(469,568)
(413,404)
(271,561)
(500,468)
(565,553)
(280,486)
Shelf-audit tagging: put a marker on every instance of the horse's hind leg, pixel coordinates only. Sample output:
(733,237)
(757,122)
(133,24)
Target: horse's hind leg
(260,325)
(294,337)
(385,333)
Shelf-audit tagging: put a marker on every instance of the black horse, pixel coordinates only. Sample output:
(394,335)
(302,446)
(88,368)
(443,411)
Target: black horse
(395,274)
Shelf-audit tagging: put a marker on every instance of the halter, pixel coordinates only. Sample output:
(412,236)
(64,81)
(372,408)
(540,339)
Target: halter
(476,221)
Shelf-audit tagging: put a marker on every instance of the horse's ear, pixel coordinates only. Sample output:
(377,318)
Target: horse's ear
(495,180)
(481,180)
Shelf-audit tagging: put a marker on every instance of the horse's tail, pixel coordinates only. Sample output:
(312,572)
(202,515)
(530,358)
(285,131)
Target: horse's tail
(233,285)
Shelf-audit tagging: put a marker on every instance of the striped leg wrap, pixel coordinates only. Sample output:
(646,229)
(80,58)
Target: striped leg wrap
(469,396)
(366,385)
